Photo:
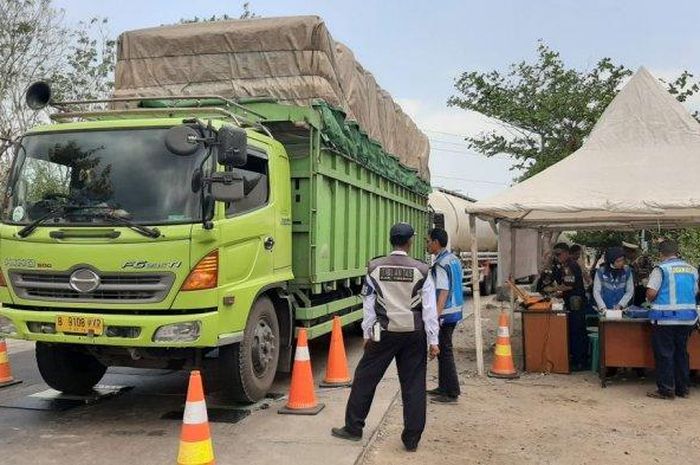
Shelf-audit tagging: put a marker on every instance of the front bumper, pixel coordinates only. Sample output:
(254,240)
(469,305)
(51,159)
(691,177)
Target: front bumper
(209,335)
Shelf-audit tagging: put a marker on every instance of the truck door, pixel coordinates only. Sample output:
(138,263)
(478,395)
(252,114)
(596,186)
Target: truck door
(249,227)
(282,186)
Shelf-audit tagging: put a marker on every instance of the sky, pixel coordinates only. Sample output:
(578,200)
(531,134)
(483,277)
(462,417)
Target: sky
(416,49)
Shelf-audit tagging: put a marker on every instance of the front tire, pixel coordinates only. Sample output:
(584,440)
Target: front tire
(248,368)
(68,369)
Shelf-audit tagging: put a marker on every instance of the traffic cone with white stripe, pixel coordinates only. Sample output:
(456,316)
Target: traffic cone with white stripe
(502,366)
(302,398)
(6,378)
(337,374)
(195,439)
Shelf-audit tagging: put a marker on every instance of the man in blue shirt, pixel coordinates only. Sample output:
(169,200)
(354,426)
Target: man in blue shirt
(447,274)
(672,288)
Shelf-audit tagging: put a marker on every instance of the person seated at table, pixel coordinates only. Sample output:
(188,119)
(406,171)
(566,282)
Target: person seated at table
(613,286)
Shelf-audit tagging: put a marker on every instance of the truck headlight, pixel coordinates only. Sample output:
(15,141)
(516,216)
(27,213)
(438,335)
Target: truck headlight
(178,332)
(7,327)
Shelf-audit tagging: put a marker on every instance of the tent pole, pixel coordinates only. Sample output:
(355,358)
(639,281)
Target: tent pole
(511,312)
(476,297)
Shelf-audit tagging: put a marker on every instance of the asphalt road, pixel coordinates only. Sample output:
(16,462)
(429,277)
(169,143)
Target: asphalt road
(129,428)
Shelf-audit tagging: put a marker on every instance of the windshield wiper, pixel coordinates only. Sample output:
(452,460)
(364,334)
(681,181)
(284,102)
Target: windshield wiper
(63,209)
(31,227)
(141,229)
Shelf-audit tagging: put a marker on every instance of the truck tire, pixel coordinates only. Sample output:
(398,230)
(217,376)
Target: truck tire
(68,369)
(248,368)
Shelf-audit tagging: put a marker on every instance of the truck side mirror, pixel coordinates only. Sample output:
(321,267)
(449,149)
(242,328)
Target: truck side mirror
(233,146)
(227,186)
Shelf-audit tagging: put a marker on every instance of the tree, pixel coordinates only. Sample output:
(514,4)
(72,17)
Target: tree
(32,46)
(35,44)
(546,109)
(247,13)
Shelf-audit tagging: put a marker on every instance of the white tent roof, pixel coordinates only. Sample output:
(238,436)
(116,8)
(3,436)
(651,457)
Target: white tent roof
(640,166)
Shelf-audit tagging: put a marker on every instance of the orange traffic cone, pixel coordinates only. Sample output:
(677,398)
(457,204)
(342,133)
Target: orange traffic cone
(502,366)
(195,439)
(302,398)
(6,378)
(337,374)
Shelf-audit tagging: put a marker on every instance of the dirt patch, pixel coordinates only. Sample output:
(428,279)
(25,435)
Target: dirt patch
(544,419)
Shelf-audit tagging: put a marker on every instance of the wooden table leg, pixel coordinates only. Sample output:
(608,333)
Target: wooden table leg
(602,369)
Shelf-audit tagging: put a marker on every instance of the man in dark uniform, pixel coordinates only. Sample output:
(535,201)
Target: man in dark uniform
(399,314)
(569,278)
(642,266)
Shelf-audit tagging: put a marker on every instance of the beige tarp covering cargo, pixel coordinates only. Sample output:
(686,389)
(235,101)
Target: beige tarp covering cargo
(293,59)
(639,167)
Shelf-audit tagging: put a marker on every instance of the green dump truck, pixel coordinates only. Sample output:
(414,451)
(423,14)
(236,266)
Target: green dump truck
(192,231)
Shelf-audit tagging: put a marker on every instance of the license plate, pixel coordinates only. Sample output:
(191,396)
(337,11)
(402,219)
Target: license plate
(79,324)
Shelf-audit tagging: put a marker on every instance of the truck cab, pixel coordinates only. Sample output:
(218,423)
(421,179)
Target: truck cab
(129,238)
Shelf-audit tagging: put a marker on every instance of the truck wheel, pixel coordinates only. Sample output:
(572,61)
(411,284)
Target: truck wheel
(68,369)
(249,367)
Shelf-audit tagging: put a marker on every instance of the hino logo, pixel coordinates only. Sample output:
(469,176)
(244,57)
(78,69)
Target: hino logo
(83,280)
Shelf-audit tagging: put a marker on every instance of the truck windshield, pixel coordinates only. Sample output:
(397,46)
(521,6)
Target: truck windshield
(127,172)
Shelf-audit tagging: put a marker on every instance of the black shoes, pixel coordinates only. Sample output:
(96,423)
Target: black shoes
(410,441)
(661,395)
(343,433)
(682,394)
(444,399)
(435,392)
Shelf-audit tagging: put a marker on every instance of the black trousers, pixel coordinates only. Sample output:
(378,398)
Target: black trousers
(448,382)
(578,338)
(670,344)
(410,352)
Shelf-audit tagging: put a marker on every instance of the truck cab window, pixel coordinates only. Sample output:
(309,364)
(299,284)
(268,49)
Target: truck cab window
(256,185)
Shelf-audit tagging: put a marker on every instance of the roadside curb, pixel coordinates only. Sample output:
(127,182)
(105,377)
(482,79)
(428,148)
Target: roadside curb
(382,422)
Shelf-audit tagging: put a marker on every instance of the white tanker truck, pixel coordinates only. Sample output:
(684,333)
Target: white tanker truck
(448,209)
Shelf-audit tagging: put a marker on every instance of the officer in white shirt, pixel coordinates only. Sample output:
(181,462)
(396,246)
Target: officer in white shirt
(400,321)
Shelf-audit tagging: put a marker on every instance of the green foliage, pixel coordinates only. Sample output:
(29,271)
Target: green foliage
(247,13)
(603,239)
(36,43)
(89,68)
(546,109)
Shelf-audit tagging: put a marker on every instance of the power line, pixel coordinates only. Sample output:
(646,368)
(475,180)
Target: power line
(443,132)
(440,141)
(462,152)
(481,181)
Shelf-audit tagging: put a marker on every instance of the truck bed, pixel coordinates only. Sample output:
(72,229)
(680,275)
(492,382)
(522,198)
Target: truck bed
(342,209)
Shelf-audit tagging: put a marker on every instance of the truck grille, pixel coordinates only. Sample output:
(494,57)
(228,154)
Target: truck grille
(113,287)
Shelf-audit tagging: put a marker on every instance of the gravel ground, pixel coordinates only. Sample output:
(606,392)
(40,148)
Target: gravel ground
(544,419)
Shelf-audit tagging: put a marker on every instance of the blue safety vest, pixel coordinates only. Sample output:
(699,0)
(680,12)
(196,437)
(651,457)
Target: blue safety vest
(675,299)
(612,286)
(452,313)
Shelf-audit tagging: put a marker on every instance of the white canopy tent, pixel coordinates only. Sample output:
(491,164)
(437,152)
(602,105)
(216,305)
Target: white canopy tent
(639,168)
